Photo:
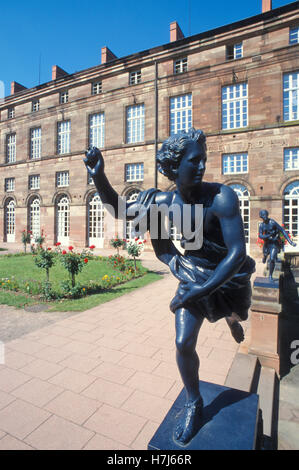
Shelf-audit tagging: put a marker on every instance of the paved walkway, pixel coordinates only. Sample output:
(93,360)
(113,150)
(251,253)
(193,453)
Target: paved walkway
(104,378)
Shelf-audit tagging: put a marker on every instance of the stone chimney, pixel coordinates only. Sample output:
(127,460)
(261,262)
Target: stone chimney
(107,55)
(175,32)
(15,87)
(58,72)
(266,5)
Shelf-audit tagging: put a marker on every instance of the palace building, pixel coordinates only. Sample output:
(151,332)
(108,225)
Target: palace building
(239,83)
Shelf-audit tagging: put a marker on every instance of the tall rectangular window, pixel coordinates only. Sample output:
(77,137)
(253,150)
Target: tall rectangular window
(135,123)
(11,153)
(9,184)
(62,178)
(294,35)
(34,182)
(234,163)
(64,137)
(97,130)
(35,143)
(11,113)
(291,159)
(96,88)
(35,106)
(134,172)
(234,51)
(290,96)
(234,106)
(180,66)
(63,97)
(180,113)
(135,77)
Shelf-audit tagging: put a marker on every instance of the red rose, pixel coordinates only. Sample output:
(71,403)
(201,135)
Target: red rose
(139,243)
(92,247)
(71,248)
(136,239)
(64,252)
(49,249)
(57,244)
(85,260)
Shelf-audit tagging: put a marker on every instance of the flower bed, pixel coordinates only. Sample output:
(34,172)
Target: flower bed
(49,281)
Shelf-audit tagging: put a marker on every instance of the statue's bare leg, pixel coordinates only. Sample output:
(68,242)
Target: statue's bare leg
(235,328)
(188,420)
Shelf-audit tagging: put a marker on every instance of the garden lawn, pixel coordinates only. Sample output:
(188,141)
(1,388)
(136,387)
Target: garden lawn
(22,269)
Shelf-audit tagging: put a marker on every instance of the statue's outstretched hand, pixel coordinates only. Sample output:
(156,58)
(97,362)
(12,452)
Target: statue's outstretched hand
(94,162)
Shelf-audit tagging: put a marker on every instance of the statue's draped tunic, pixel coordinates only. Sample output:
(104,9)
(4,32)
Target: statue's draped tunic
(198,266)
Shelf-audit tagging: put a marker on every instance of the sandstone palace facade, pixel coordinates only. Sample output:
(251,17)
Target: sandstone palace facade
(239,83)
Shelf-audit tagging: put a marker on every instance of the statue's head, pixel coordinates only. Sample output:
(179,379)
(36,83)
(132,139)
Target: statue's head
(176,147)
(264,214)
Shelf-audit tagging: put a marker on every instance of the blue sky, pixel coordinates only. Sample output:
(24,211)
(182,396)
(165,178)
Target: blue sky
(70,33)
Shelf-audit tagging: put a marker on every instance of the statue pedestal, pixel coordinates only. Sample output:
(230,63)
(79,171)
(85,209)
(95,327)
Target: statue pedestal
(265,309)
(229,421)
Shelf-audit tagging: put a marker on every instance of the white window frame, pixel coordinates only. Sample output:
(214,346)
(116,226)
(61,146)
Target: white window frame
(64,97)
(130,197)
(9,185)
(35,143)
(234,163)
(63,137)
(62,179)
(180,66)
(235,106)
(11,112)
(180,113)
(35,106)
(291,159)
(135,77)
(135,123)
(134,172)
(34,182)
(96,214)
(234,51)
(97,130)
(11,147)
(290,213)
(291,96)
(244,201)
(96,88)
(34,217)
(10,221)
(63,219)
(294,35)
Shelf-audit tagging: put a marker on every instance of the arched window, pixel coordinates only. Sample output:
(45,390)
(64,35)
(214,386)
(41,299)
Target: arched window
(243,195)
(95,221)
(34,217)
(10,221)
(63,220)
(131,197)
(290,211)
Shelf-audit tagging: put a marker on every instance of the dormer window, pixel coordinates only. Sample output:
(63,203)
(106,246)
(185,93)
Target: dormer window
(180,66)
(234,51)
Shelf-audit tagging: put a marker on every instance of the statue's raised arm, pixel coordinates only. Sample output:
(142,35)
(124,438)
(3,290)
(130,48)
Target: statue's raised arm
(95,165)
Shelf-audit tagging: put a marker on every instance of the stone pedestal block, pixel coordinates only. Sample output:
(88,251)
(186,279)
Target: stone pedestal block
(265,310)
(229,421)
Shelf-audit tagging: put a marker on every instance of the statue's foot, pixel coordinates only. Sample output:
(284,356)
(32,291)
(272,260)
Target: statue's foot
(189,420)
(237,331)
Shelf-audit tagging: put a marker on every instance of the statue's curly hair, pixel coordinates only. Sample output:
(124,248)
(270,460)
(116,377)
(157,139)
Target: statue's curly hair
(173,149)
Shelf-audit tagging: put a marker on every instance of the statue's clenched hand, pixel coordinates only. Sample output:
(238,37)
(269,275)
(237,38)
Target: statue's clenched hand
(94,162)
